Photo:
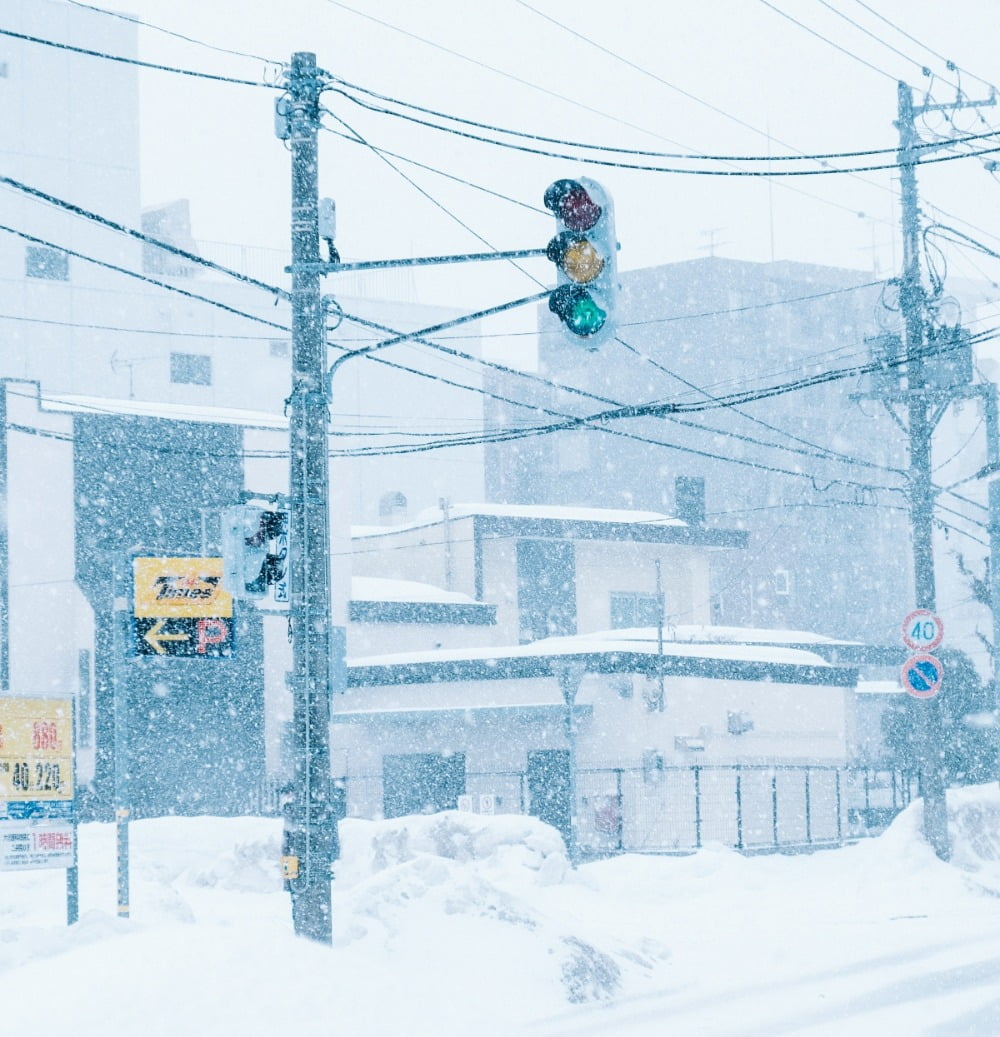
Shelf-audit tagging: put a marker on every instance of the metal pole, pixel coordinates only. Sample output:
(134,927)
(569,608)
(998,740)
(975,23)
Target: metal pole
(309,540)
(73,871)
(122,810)
(570,674)
(920,486)
(660,609)
(994,527)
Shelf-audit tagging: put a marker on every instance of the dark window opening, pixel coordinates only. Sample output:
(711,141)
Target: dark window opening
(47,263)
(190,369)
(422,783)
(629,609)
(546,588)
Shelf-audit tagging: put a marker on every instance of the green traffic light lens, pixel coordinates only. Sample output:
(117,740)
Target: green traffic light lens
(578,310)
(585,317)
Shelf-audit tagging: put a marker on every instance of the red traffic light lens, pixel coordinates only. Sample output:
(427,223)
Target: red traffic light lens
(571,203)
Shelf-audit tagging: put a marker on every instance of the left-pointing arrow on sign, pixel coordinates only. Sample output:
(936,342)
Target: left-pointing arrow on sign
(155,635)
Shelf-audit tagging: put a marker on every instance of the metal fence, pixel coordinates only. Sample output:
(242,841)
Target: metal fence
(635,809)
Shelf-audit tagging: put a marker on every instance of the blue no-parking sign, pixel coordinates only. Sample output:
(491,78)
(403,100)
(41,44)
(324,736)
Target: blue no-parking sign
(922,675)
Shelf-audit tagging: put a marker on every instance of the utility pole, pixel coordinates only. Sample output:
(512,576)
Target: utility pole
(309,535)
(919,485)
(926,400)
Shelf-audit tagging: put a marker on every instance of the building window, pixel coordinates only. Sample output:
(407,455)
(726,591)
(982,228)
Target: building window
(392,505)
(47,263)
(629,609)
(782,583)
(190,369)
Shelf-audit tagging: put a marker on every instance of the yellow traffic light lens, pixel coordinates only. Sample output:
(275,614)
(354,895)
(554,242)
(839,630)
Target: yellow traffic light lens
(582,262)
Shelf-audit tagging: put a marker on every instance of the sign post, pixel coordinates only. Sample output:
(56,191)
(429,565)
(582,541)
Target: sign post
(37,807)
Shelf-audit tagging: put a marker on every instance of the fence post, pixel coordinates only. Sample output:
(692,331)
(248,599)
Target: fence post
(868,804)
(739,807)
(697,807)
(809,837)
(774,806)
(840,834)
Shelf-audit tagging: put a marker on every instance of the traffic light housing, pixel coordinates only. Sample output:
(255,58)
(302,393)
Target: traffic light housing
(254,550)
(585,252)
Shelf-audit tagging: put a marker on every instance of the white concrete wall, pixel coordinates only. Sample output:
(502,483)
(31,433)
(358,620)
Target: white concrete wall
(382,638)
(793,723)
(50,619)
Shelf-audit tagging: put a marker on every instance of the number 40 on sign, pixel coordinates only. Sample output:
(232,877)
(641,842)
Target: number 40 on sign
(922,631)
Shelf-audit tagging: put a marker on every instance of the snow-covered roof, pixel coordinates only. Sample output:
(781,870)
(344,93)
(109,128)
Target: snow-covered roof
(701,634)
(880,688)
(604,643)
(73,404)
(550,512)
(377,588)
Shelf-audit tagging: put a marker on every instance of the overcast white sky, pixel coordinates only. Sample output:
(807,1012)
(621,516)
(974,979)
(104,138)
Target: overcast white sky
(717,77)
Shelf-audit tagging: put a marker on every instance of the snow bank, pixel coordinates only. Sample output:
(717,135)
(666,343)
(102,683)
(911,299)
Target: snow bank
(456,924)
(496,842)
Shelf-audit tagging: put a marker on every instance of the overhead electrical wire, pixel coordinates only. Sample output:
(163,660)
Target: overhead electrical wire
(638,152)
(138,235)
(836,46)
(77,210)
(138,331)
(193,257)
(121,59)
(432,169)
(913,39)
(426,194)
(878,39)
(142,277)
(170,32)
(644,168)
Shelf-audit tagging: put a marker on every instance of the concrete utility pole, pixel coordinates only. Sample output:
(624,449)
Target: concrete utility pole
(920,487)
(926,400)
(309,534)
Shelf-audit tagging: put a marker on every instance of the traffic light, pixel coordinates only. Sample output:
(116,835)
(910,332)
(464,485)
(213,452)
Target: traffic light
(254,550)
(585,252)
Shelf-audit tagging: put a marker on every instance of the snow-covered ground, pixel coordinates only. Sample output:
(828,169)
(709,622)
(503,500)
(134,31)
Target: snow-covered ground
(456,924)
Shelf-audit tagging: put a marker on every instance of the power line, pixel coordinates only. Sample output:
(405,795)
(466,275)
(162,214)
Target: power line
(644,168)
(948,63)
(433,169)
(170,32)
(878,39)
(498,71)
(428,195)
(121,59)
(142,277)
(138,235)
(692,156)
(138,331)
(836,46)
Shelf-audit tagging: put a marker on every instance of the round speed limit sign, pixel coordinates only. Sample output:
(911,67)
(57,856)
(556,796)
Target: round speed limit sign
(922,631)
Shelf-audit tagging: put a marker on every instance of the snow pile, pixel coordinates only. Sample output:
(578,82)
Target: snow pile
(495,841)
(457,924)
(488,874)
